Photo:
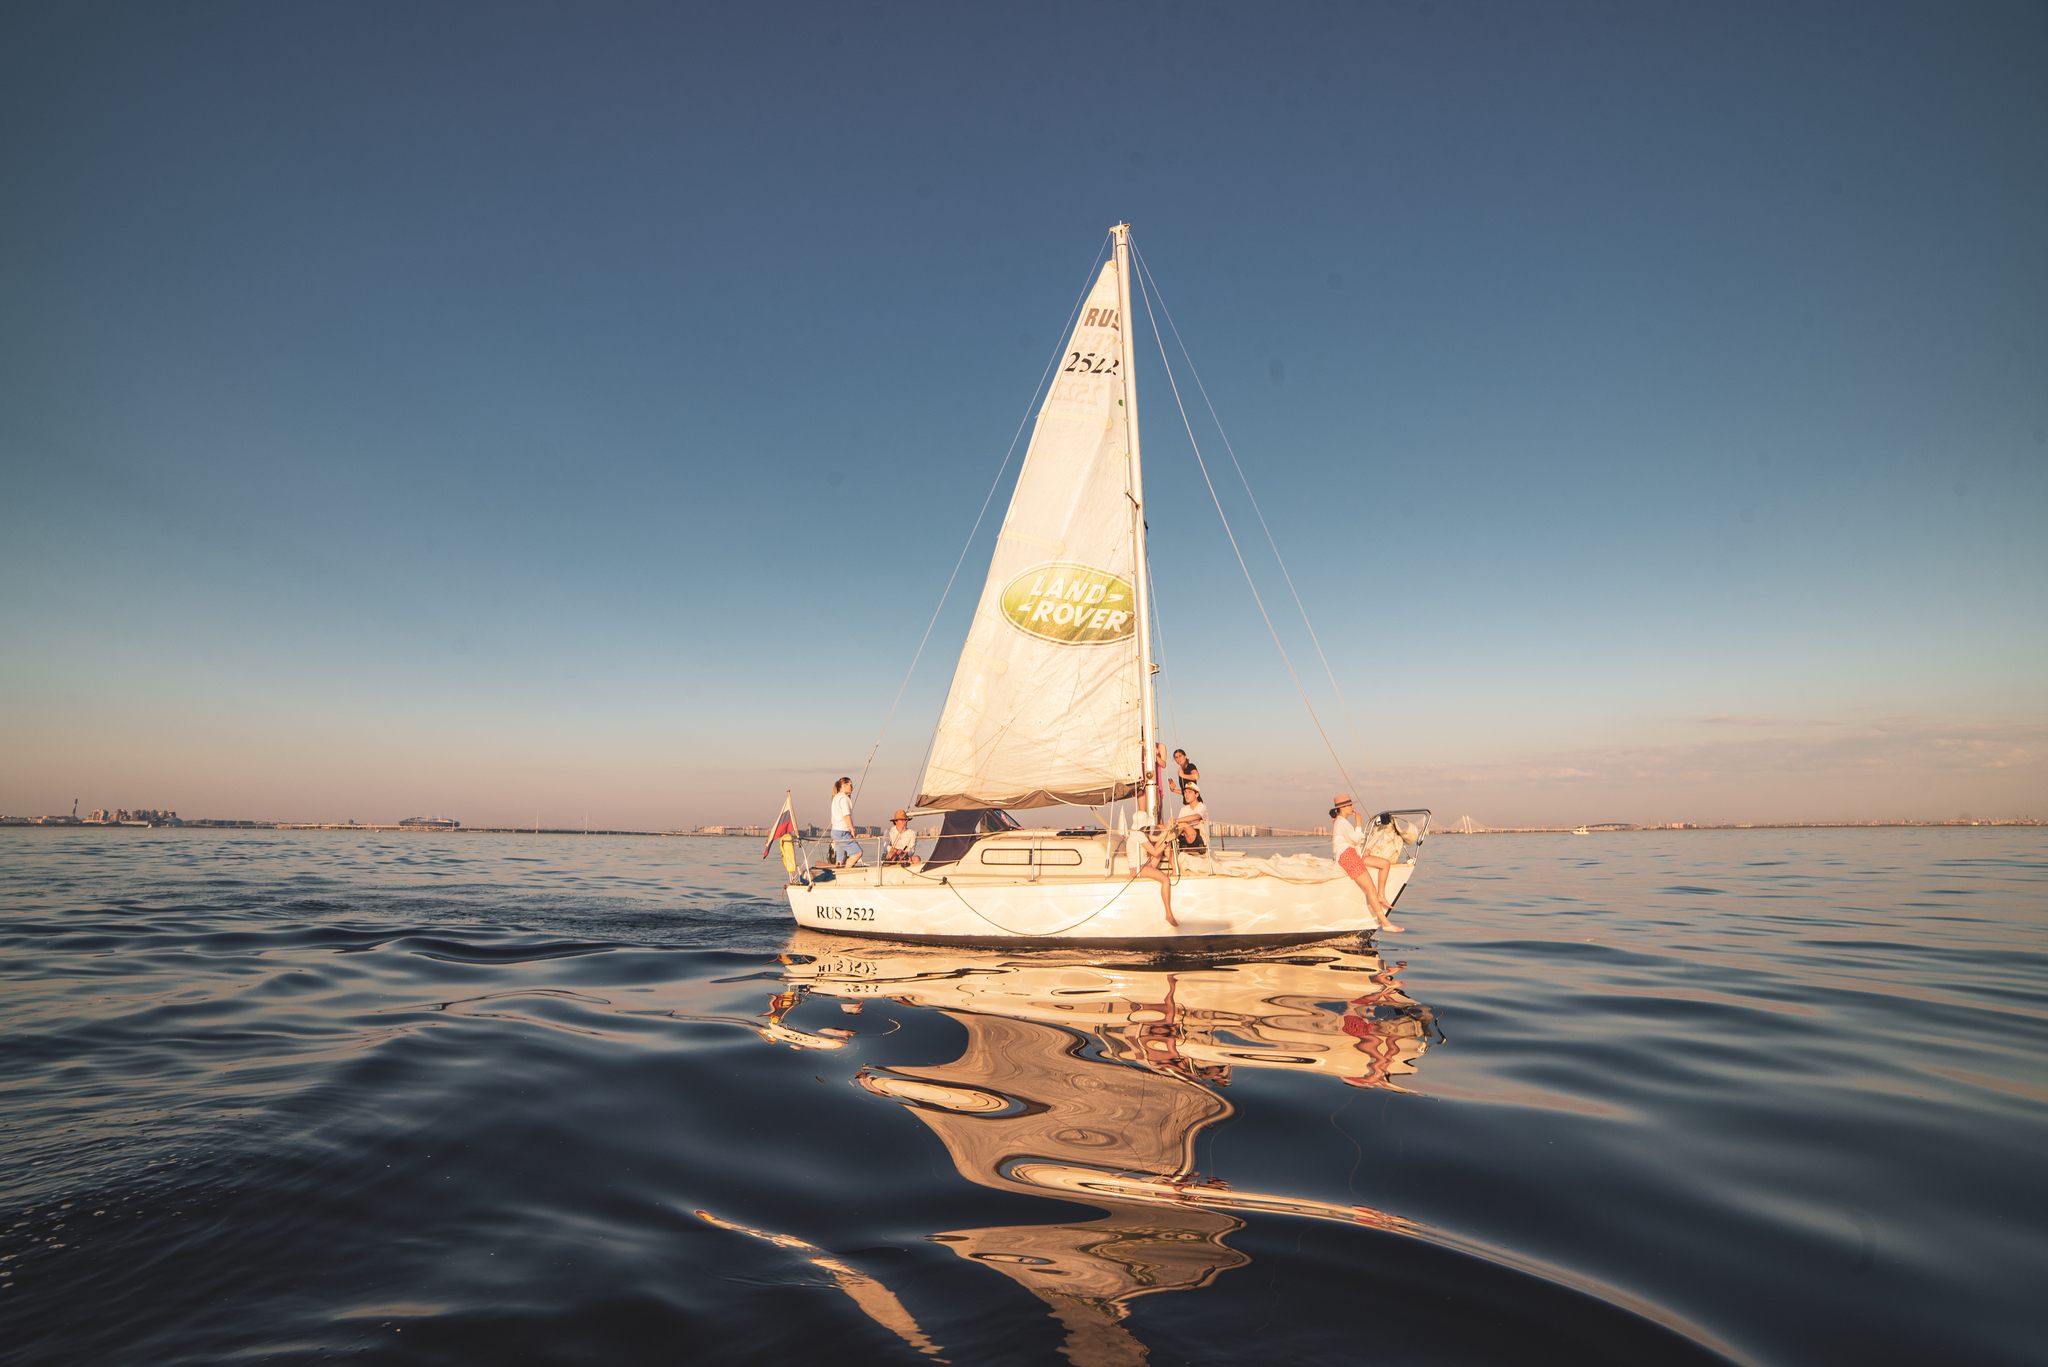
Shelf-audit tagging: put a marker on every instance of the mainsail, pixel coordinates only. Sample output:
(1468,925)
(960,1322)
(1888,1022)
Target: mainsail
(1046,703)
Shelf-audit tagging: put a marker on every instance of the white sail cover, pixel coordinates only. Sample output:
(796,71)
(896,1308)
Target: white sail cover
(1045,703)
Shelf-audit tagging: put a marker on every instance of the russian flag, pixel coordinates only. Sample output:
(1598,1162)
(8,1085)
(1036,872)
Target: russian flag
(784,825)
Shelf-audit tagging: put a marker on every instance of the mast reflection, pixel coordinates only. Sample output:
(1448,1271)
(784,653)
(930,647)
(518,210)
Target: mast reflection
(1089,1078)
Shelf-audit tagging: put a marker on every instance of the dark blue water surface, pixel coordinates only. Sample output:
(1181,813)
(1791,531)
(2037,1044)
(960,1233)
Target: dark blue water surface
(1768,1097)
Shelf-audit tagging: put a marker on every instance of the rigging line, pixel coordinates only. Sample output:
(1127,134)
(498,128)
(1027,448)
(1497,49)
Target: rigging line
(986,500)
(1204,466)
(1159,649)
(1158,636)
(1342,702)
(1034,934)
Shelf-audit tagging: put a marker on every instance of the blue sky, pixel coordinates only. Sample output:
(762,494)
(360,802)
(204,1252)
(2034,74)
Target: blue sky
(500,410)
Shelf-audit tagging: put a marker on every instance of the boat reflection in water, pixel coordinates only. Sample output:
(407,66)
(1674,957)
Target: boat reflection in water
(1089,1079)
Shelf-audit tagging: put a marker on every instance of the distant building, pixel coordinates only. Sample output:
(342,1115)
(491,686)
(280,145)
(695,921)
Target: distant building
(428,823)
(141,816)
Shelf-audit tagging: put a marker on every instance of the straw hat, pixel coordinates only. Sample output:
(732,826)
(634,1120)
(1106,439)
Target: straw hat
(901,816)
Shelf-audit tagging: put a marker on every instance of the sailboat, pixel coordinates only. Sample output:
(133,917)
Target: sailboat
(1052,704)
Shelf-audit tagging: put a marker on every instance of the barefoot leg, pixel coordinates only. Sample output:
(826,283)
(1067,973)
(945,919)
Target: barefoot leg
(1376,870)
(1378,867)
(1378,905)
(1165,895)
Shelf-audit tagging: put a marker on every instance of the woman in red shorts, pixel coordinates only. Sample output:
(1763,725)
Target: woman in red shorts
(1347,842)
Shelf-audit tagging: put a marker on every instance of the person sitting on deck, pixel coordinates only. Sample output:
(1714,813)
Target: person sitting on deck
(1188,825)
(1149,852)
(902,847)
(1347,842)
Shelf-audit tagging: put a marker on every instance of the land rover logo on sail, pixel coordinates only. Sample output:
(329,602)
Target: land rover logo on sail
(1072,605)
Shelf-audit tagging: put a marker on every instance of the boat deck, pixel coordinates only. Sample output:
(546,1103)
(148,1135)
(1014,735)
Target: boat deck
(1031,857)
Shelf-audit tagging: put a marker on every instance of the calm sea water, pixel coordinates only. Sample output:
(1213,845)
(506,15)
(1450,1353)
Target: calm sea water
(1763,1096)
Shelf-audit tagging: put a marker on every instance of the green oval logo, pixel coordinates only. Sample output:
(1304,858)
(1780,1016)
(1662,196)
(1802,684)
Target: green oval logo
(1071,605)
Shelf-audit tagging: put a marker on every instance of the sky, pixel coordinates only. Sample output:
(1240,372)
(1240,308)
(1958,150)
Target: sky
(560,413)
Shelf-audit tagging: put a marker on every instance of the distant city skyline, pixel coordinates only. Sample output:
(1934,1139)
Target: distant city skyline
(1651,404)
(1441,823)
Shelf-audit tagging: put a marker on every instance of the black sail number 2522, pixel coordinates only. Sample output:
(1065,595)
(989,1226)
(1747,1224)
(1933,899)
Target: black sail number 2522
(1088,363)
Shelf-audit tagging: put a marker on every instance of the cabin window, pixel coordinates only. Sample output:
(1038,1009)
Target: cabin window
(1014,855)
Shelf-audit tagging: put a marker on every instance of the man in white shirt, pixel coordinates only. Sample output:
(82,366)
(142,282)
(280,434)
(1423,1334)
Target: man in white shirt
(902,842)
(1347,843)
(843,843)
(1189,823)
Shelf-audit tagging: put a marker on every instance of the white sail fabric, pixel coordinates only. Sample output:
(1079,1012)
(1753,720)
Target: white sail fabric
(1044,707)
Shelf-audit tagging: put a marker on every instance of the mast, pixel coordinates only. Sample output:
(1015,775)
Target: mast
(1143,584)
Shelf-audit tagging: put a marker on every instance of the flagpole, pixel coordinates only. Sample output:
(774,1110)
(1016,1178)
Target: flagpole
(803,854)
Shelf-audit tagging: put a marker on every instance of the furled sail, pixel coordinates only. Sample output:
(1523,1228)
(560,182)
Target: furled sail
(1044,707)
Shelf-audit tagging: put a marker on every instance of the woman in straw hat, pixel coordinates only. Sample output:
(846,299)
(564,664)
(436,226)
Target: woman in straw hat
(1347,842)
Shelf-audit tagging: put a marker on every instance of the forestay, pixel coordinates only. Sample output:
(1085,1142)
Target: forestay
(1044,707)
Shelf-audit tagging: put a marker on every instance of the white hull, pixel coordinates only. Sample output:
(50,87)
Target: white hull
(1109,912)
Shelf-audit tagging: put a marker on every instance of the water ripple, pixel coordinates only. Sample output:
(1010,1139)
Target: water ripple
(1769,1097)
